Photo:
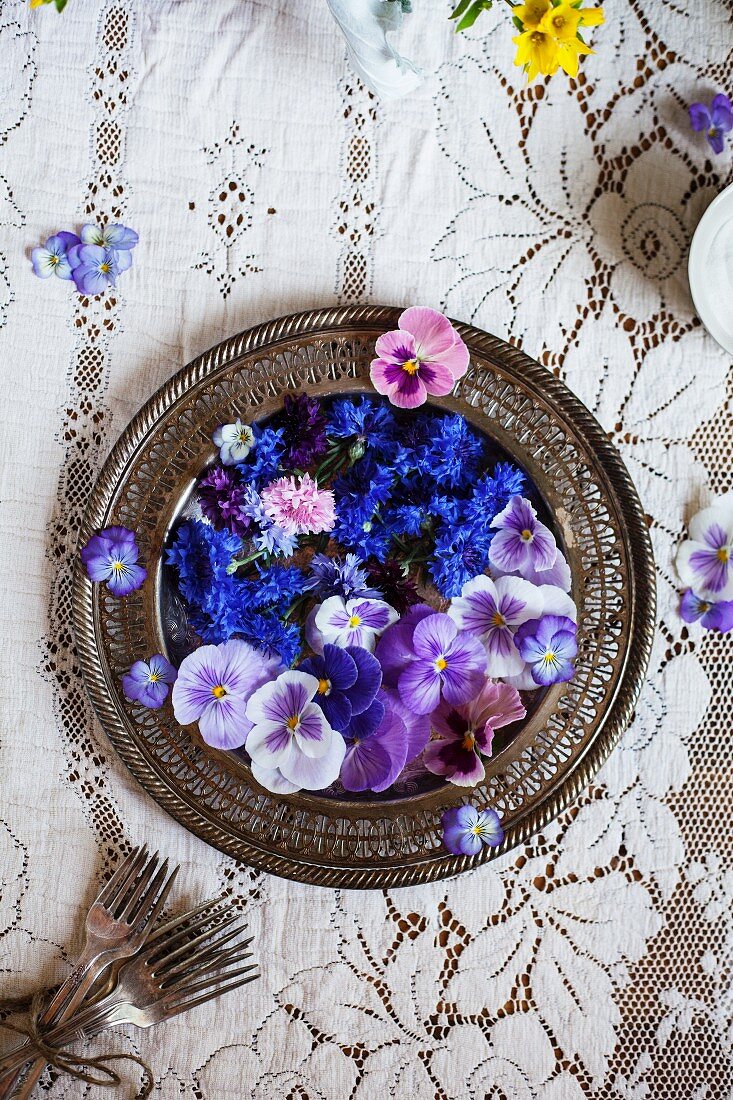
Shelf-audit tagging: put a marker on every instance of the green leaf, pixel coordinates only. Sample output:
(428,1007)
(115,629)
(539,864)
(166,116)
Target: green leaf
(472,14)
(518,23)
(459,9)
(60,5)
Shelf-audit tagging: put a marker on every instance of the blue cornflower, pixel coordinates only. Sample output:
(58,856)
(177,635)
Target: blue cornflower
(271,538)
(454,452)
(364,487)
(332,577)
(263,463)
(367,537)
(445,507)
(201,555)
(406,519)
(459,555)
(492,493)
(277,586)
(371,422)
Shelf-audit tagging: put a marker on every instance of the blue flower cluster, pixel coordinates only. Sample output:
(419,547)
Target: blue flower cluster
(420,478)
(223,605)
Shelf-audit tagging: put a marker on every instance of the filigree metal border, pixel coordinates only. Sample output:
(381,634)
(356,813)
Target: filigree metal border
(308,837)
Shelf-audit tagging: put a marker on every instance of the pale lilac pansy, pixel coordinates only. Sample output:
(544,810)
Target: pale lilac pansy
(521,543)
(705,560)
(355,622)
(291,744)
(492,611)
(234,441)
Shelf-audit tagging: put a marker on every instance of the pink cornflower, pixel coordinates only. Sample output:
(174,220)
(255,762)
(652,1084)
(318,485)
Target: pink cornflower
(424,355)
(298,506)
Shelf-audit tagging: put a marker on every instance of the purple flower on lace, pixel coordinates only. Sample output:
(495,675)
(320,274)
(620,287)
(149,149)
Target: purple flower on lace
(304,430)
(465,733)
(214,686)
(493,611)
(118,238)
(348,681)
(705,560)
(52,258)
(521,541)
(548,645)
(93,268)
(716,120)
(712,616)
(291,742)
(222,496)
(444,663)
(466,829)
(234,441)
(111,556)
(356,622)
(148,682)
(377,744)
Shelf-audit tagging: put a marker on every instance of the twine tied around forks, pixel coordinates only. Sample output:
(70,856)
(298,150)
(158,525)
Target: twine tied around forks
(93,1071)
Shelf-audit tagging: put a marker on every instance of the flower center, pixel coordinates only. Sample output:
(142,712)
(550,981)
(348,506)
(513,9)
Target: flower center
(477,829)
(526,535)
(440,664)
(104,267)
(723,554)
(703,607)
(537,38)
(293,722)
(219,691)
(497,619)
(558,22)
(411,366)
(153,677)
(469,741)
(54,260)
(245,435)
(117,565)
(549,657)
(354,621)
(324,687)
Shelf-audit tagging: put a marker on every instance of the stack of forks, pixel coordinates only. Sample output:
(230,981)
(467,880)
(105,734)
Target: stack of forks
(154,973)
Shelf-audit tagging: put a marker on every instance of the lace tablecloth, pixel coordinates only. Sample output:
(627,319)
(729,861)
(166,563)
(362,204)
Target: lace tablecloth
(263,178)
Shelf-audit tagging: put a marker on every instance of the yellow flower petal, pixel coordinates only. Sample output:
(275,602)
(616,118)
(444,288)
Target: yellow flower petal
(591,17)
(568,54)
(562,22)
(537,51)
(531,13)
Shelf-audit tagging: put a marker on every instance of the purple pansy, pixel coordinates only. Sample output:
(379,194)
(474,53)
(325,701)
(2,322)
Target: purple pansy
(557,575)
(354,622)
(394,649)
(465,733)
(705,560)
(376,750)
(493,611)
(466,829)
(716,120)
(119,239)
(554,602)
(445,662)
(93,268)
(348,680)
(548,645)
(521,542)
(712,616)
(111,556)
(214,685)
(52,258)
(148,682)
(291,742)
(424,355)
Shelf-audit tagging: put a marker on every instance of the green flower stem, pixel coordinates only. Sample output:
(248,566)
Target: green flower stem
(237,563)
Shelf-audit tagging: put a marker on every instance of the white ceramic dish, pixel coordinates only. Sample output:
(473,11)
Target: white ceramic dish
(710,269)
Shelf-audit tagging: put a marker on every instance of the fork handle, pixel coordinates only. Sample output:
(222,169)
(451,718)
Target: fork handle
(88,968)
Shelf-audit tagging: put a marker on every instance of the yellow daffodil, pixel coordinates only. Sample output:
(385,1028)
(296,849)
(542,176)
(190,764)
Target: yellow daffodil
(531,13)
(538,51)
(561,22)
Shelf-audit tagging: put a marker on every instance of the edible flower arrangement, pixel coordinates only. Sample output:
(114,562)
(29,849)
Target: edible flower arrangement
(372,588)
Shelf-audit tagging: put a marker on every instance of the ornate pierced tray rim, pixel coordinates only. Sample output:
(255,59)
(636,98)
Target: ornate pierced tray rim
(548,391)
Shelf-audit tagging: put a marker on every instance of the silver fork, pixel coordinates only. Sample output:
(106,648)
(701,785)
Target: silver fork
(116,927)
(186,962)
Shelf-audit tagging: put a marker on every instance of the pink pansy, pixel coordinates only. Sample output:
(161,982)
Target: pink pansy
(492,610)
(521,543)
(291,743)
(705,560)
(424,355)
(298,506)
(356,622)
(465,733)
